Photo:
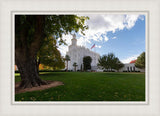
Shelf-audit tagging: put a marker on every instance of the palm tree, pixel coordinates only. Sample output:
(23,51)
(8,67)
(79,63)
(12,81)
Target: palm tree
(67,58)
(75,65)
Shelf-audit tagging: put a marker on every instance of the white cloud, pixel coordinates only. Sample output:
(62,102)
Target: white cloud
(100,25)
(141,17)
(130,21)
(98,46)
(82,41)
(129,59)
(114,37)
(64,48)
(106,38)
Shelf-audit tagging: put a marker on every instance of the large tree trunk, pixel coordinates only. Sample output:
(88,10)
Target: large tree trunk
(29,73)
(26,50)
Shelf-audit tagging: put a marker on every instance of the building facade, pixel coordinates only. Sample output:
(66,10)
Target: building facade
(77,53)
(130,67)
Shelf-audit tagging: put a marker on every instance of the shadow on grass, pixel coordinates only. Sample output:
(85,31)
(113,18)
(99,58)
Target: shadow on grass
(50,73)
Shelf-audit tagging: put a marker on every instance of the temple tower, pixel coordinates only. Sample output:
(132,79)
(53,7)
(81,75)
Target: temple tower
(74,40)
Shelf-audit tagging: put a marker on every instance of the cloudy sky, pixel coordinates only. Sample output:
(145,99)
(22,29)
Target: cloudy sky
(123,35)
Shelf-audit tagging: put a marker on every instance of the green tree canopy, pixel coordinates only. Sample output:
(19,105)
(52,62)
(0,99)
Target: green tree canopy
(110,62)
(87,62)
(30,32)
(140,62)
(49,55)
(117,64)
(103,62)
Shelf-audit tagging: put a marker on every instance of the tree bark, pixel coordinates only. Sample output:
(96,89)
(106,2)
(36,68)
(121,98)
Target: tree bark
(29,74)
(26,51)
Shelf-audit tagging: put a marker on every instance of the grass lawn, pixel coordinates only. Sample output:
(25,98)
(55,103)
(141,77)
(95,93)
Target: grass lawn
(89,86)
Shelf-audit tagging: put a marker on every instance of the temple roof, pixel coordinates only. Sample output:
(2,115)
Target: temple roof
(133,61)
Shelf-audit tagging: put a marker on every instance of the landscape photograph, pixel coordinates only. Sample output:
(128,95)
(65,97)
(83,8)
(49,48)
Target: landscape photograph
(80,57)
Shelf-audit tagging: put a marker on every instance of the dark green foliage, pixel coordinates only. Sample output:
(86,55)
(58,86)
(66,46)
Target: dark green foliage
(24,24)
(56,25)
(110,62)
(64,24)
(87,62)
(49,55)
(88,86)
(140,62)
(30,34)
(117,64)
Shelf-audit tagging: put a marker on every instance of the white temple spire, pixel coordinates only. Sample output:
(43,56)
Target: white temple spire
(74,36)
(74,40)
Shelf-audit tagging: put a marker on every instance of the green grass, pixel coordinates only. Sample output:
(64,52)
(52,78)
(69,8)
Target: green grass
(89,86)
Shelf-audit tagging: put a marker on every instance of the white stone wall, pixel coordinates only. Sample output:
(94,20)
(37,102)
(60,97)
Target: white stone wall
(131,67)
(76,54)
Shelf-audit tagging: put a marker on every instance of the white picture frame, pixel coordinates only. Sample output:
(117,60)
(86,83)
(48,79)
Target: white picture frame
(150,8)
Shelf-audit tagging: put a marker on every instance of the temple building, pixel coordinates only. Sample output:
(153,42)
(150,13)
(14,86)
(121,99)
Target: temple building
(77,53)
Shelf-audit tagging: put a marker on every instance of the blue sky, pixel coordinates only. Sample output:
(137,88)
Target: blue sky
(123,35)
